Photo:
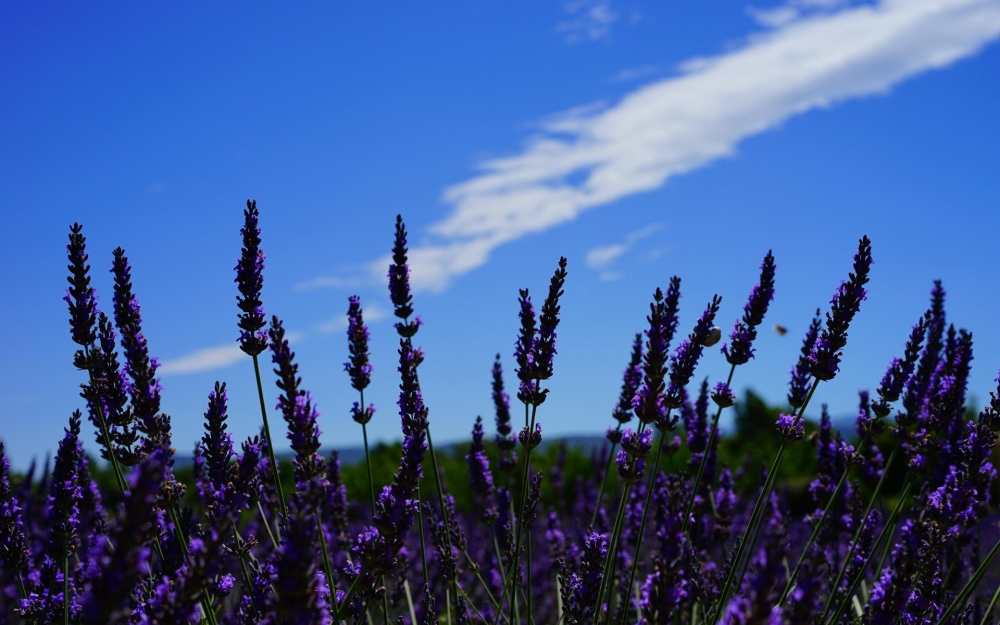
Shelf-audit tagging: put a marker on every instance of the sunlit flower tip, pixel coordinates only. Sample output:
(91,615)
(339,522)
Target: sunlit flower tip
(358,367)
(250,281)
(851,456)
(362,415)
(613,435)
(80,295)
(713,337)
(629,469)
(723,396)
(790,428)
(530,439)
(638,444)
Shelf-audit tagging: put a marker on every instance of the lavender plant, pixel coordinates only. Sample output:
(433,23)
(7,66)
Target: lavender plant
(896,524)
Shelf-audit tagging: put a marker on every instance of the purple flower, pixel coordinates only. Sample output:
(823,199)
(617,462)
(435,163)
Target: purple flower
(501,403)
(824,361)
(638,444)
(900,370)
(918,388)
(723,396)
(579,589)
(648,402)
(399,283)
(790,428)
(798,387)
(80,296)
(631,379)
(123,566)
(358,366)
(530,439)
(335,506)
(666,587)
(296,407)
(250,281)
(108,394)
(686,357)
(535,347)
(745,330)
(480,476)
(13,546)
(140,367)
(216,448)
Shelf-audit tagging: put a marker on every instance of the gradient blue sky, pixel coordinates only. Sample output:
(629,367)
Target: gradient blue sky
(639,139)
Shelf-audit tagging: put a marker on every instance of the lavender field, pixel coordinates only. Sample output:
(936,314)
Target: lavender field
(893,523)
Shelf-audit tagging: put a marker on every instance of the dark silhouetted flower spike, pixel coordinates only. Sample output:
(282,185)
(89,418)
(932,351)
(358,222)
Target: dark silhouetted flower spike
(648,402)
(111,391)
(358,367)
(524,349)
(216,449)
(900,370)
(250,281)
(918,388)
(723,396)
(399,284)
(685,359)
(296,406)
(13,546)
(631,379)
(798,387)
(824,362)
(141,368)
(80,295)
(501,403)
(548,321)
(741,340)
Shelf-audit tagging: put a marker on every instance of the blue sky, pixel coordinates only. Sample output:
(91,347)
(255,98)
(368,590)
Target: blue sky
(639,139)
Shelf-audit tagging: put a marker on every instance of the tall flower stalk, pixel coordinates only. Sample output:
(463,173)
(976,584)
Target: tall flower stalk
(253,338)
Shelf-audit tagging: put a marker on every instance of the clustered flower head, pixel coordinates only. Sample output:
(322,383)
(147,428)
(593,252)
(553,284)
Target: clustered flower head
(680,535)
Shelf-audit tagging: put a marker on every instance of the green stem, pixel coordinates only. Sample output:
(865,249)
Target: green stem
(970,585)
(704,457)
(890,523)
(857,533)
(645,509)
(327,570)
(756,514)
(989,608)
(612,552)
(267,435)
(267,525)
(819,525)
(604,480)
(423,550)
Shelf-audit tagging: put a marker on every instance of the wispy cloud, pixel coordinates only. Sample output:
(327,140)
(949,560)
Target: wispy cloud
(210,358)
(584,160)
(329,282)
(372,314)
(586,20)
(636,73)
(601,258)
(203,360)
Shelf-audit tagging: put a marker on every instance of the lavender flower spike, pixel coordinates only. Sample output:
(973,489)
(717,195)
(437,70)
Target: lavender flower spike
(80,296)
(798,387)
(545,346)
(501,402)
(13,546)
(741,351)
(685,359)
(648,401)
(631,379)
(296,407)
(250,281)
(399,283)
(358,367)
(900,370)
(824,362)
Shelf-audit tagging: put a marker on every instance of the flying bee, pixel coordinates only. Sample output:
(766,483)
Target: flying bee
(781,330)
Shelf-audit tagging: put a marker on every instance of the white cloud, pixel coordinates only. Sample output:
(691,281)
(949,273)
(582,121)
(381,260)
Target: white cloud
(602,257)
(589,158)
(371,313)
(587,20)
(210,358)
(635,73)
(329,282)
(203,360)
